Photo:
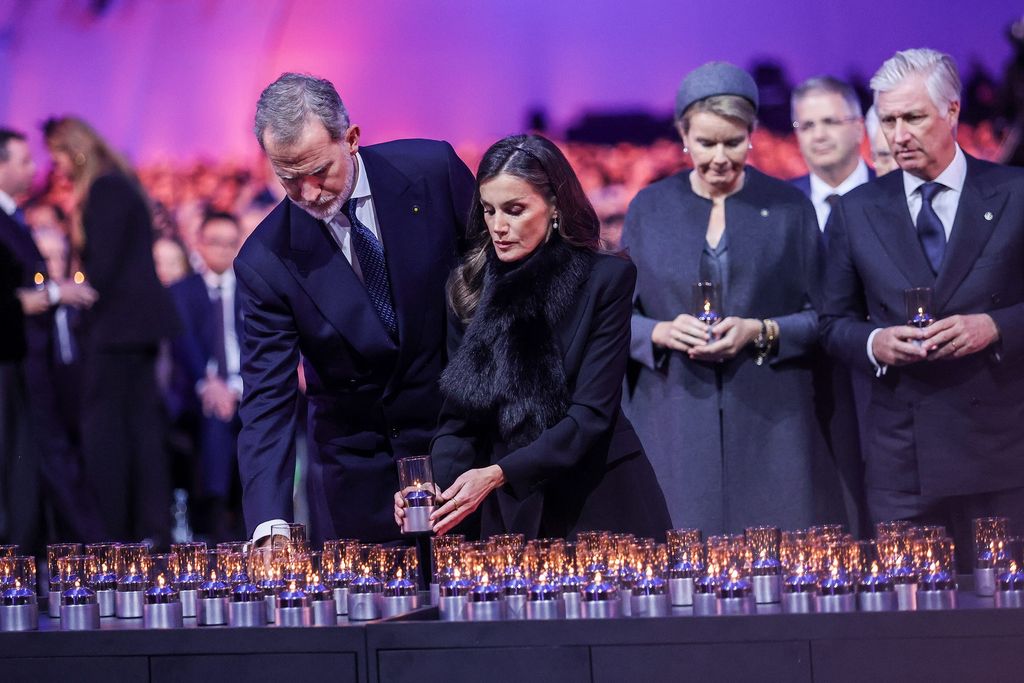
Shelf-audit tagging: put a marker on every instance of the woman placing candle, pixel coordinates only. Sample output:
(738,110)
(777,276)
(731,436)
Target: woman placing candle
(531,430)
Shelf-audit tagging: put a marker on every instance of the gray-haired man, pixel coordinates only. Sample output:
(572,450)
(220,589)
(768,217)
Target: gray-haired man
(348,272)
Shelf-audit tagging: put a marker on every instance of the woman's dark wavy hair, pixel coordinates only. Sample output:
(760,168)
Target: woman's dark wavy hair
(540,163)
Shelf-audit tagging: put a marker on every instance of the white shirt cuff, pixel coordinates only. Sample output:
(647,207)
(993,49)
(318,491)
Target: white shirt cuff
(53,292)
(879,367)
(263,530)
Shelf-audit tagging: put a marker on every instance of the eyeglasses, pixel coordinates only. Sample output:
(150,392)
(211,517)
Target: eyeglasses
(827,123)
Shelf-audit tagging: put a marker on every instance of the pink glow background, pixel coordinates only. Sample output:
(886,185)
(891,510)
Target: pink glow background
(179,79)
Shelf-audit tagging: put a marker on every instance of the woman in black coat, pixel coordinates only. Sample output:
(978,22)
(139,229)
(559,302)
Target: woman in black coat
(531,430)
(122,419)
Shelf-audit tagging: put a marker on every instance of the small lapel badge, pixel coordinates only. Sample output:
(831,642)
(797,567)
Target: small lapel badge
(764,213)
(989,216)
(415,208)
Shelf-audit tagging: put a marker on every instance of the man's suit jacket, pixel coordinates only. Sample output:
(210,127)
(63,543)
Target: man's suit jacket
(38,328)
(947,427)
(193,350)
(12,320)
(370,400)
(803,182)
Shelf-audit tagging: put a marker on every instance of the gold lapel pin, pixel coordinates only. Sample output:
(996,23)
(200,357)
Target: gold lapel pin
(415,208)
(989,216)
(764,213)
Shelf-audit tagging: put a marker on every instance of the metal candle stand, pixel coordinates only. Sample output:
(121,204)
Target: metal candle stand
(600,600)
(130,596)
(735,596)
(212,603)
(544,602)
(293,608)
(364,598)
(1010,590)
(650,597)
(162,608)
(766,580)
(571,587)
(705,596)
(681,577)
(105,585)
(800,594)
(339,583)
(247,607)
(79,610)
(453,598)
(399,597)
(876,593)
(836,594)
(270,588)
(904,583)
(516,589)
(322,605)
(19,610)
(936,590)
(485,602)
(419,505)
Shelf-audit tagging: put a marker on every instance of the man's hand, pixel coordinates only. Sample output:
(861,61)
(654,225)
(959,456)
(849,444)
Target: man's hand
(465,496)
(681,334)
(33,301)
(959,335)
(218,399)
(78,296)
(733,334)
(895,345)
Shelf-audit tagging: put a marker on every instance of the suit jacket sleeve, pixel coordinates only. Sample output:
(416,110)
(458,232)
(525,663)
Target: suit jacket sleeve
(798,332)
(641,348)
(270,356)
(463,187)
(844,326)
(107,219)
(596,395)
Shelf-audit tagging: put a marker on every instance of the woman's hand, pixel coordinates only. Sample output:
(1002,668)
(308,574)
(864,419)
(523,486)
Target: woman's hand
(681,334)
(465,496)
(733,335)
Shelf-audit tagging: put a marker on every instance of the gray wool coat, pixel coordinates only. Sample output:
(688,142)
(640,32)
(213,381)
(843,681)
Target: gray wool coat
(733,444)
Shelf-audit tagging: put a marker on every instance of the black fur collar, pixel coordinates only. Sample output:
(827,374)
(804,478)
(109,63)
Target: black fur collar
(509,366)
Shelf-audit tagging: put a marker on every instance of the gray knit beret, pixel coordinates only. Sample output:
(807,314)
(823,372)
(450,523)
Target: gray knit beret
(715,78)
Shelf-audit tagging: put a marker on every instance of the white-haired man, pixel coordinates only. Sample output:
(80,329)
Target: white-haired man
(881,155)
(946,419)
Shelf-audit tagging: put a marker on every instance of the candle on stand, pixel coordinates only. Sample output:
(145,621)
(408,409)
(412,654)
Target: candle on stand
(600,599)
(904,581)
(875,592)
(104,578)
(399,595)
(213,593)
(162,602)
(54,552)
(650,595)
(189,565)
(79,610)
(485,601)
(293,606)
(572,585)
(453,597)
(836,592)
(325,612)
(19,610)
(936,587)
(800,591)
(416,481)
(133,566)
(516,589)
(364,597)
(705,593)
(248,607)
(544,600)
(1010,588)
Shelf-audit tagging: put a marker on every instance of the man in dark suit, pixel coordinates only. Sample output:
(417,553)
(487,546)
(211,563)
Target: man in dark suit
(208,356)
(56,462)
(945,420)
(829,129)
(348,271)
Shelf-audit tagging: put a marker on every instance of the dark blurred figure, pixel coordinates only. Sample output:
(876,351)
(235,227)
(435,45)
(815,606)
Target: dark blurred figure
(122,418)
(18,475)
(52,475)
(981,96)
(208,353)
(774,92)
(1012,99)
(611,232)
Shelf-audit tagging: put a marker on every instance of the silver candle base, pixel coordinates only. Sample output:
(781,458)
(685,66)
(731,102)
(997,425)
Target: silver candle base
(643,606)
(906,596)
(107,600)
(393,605)
(212,611)
(767,589)
(19,617)
(452,608)
(188,602)
(363,606)
(162,615)
(680,592)
(492,610)
(435,593)
(834,604)
(417,519)
(1009,599)
(325,612)
(626,598)
(600,609)
(545,610)
(270,605)
(705,604)
(341,600)
(985,581)
(247,614)
(515,607)
(293,616)
(936,599)
(79,617)
(128,604)
(880,601)
(572,601)
(736,605)
(799,603)
(53,605)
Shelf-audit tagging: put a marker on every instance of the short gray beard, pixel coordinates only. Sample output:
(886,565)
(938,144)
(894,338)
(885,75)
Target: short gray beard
(328,210)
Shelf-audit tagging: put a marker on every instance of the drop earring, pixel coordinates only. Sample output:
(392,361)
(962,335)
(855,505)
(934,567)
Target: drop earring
(554,223)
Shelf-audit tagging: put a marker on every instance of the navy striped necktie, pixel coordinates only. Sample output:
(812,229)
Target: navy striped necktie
(930,231)
(370,254)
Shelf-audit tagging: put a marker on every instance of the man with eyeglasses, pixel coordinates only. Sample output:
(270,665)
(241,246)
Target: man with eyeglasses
(945,431)
(829,128)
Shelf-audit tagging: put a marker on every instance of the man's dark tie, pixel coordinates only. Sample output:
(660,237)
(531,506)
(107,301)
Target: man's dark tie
(370,254)
(19,218)
(832,200)
(929,227)
(220,353)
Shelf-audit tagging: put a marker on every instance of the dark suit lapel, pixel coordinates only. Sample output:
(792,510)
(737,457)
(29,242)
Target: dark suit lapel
(889,217)
(979,211)
(403,213)
(327,277)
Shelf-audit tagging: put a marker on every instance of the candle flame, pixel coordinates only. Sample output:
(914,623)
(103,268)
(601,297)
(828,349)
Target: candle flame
(799,570)
(293,586)
(103,567)
(920,311)
(597,577)
(78,583)
(934,567)
(132,569)
(316,579)
(650,572)
(398,573)
(213,575)
(17,582)
(707,306)
(39,278)
(1013,566)
(457,574)
(79,277)
(484,579)
(874,569)
(160,581)
(835,571)
(764,554)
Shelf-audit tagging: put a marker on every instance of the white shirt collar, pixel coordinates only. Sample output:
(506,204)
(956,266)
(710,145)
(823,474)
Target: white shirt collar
(953,177)
(820,189)
(7,203)
(214,281)
(362,188)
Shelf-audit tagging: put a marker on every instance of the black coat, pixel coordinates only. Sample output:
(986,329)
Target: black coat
(535,385)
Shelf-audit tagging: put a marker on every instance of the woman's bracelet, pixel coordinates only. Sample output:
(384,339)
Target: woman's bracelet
(766,342)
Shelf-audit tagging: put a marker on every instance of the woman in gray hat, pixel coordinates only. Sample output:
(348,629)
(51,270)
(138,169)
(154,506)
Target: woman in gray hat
(724,406)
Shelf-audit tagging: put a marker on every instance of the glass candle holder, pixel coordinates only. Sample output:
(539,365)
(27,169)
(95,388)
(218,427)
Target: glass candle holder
(18,607)
(233,556)
(918,301)
(416,482)
(79,609)
(706,306)
(213,591)
(936,587)
(991,556)
(54,552)
(8,550)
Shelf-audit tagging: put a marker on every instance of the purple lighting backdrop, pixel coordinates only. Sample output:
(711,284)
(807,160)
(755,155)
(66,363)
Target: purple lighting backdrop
(179,79)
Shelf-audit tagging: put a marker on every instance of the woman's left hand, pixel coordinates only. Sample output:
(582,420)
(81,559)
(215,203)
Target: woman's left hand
(732,335)
(465,496)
